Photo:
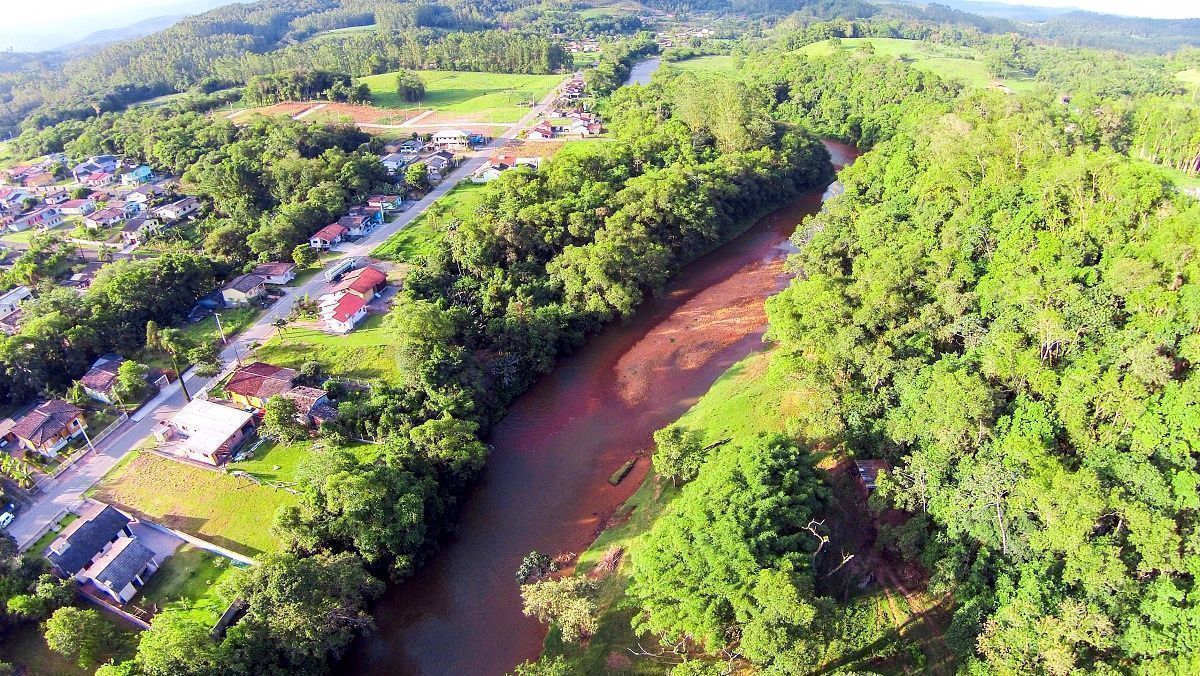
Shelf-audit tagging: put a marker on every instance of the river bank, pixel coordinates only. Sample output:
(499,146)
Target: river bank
(546,485)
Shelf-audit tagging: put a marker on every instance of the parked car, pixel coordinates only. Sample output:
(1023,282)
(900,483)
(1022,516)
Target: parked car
(8,515)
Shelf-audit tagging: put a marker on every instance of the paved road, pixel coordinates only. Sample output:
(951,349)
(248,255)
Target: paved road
(67,490)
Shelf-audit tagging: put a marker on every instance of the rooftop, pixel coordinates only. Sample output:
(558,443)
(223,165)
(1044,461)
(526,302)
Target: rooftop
(46,421)
(84,538)
(261,380)
(204,426)
(121,563)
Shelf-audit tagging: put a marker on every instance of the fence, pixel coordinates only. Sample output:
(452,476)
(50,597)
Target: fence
(70,460)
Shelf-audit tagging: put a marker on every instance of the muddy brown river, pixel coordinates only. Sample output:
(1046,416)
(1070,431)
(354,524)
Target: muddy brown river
(546,484)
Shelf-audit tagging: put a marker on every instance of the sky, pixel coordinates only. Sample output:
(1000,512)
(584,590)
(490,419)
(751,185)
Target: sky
(1158,9)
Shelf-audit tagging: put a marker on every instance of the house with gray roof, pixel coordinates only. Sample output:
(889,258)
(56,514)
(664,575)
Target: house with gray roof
(102,554)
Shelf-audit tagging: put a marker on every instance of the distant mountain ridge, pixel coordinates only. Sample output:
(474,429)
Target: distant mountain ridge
(134,30)
(1000,10)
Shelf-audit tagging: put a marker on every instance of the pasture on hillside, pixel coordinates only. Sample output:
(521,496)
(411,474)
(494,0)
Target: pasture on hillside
(477,97)
(947,61)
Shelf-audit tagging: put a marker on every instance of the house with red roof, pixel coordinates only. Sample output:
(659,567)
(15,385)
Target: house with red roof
(254,384)
(342,311)
(327,236)
(365,282)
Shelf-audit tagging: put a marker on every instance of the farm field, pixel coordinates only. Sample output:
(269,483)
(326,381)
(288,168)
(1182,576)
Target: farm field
(955,63)
(229,511)
(325,36)
(475,97)
(423,235)
(364,354)
(706,64)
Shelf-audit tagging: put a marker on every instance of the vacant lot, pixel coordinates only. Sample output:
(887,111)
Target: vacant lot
(422,237)
(365,353)
(278,461)
(228,511)
(187,582)
(1191,75)
(950,62)
(477,97)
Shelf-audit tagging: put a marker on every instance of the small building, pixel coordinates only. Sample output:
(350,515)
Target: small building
(143,194)
(253,384)
(868,472)
(46,218)
(79,207)
(102,554)
(385,203)
(394,162)
(439,164)
(10,197)
(244,289)
(99,179)
(342,311)
(312,405)
(10,301)
(100,381)
(138,230)
(412,146)
(178,209)
(326,237)
(104,218)
(277,273)
(49,427)
(365,282)
(142,174)
(205,431)
(542,131)
(455,139)
(358,225)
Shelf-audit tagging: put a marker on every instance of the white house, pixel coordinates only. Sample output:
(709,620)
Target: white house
(10,301)
(205,431)
(342,311)
(276,273)
(137,230)
(101,553)
(177,209)
(79,207)
(451,138)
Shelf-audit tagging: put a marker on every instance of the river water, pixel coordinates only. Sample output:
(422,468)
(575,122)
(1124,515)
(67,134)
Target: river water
(546,484)
(642,70)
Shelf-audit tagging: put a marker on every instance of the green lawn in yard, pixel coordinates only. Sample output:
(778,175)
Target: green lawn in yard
(950,62)
(287,457)
(186,581)
(422,237)
(365,353)
(706,64)
(233,512)
(493,97)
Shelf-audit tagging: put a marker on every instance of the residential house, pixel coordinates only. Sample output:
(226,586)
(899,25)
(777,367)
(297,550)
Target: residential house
(357,225)
(542,131)
(104,218)
(439,164)
(394,162)
(49,426)
(138,176)
(412,146)
(10,197)
(143,194)
(276,273)
(177,209)
(100,381)
(253,384)
(10,301)
(500,164)
(102,554)
(38,179)
(365,282)
(582,129)
(205,431)
(342,311)
(56,197)
(455,139)
(83,277)
(327,236)
(99,180)
(385,203)
(243,289)
(126,207)
(312,405)
(138,230)
(8,440)
(79,207)
(97,164)
(46,218)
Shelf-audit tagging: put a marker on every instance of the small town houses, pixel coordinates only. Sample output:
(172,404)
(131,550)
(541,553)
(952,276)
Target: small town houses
(10,308)
(278,273)
(103,555)
(205,431)
(46,428)
(253,385)
(346,305)
(325,238)
(177,210)
(243,290)
(492,169)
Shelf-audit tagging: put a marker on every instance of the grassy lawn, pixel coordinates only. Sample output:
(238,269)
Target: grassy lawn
(187,581)
(494,97)
(335,33)
(229,511)
(706,64)
(953,63)
(422,237)
(278,461)
(365,353)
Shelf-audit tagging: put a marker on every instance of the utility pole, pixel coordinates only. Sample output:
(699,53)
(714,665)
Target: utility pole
(220,329)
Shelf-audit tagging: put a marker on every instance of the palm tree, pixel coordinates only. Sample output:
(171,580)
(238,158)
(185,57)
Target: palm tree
(172,342)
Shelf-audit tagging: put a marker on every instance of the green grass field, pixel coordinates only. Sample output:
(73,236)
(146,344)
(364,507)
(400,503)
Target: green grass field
(186,583)
(706,64)
(492,97)
(364,354)
(325,36)
(278,461)
(424,234)
(950,62)
(228,511)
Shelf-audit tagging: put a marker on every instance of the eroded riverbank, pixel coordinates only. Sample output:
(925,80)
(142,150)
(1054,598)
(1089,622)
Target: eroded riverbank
(546,485)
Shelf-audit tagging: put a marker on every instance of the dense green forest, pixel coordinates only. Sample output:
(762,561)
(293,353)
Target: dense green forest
(998,304)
